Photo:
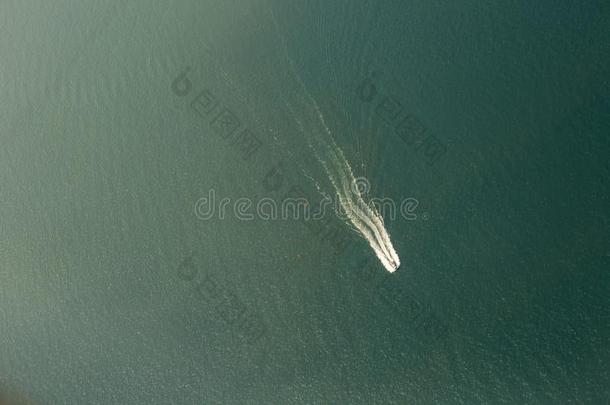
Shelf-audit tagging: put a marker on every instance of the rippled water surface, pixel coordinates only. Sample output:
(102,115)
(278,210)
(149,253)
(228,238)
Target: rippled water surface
(124,124)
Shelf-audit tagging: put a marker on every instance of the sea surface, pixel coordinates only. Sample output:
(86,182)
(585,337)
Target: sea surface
(124,278)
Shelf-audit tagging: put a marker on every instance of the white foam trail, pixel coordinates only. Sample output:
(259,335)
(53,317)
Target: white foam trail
(364,217)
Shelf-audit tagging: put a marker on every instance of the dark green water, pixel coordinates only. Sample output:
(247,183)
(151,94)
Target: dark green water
(493,117)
